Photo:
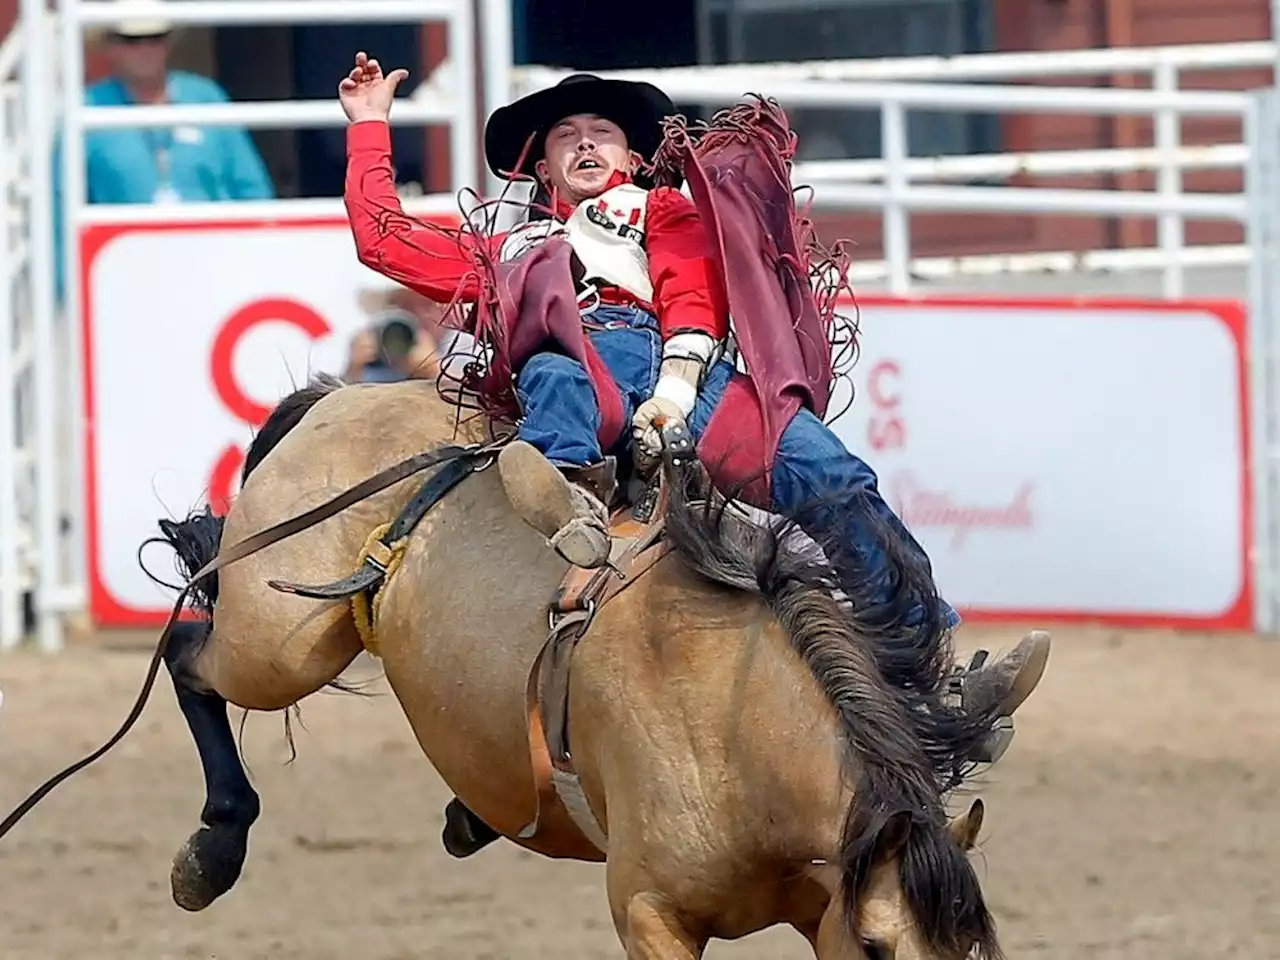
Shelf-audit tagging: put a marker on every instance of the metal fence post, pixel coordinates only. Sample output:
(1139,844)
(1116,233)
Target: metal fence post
(37,85)
(10,519)
(897,225)
(1262,127)
(1168,135)
(495,27)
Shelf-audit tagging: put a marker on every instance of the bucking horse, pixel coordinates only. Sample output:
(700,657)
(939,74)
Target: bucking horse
(711,715)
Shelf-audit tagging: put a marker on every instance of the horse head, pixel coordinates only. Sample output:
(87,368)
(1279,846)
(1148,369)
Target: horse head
(920,898)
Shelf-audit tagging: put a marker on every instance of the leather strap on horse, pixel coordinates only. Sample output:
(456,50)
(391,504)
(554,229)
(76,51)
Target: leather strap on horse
(381,553)
(581,595)
(247,547)
(365,601)
(548,751)
(377,555)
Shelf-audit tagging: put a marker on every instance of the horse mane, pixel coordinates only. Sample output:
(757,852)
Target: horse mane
(884,670)
(287,414)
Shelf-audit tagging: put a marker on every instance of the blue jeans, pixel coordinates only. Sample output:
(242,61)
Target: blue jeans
(561,418)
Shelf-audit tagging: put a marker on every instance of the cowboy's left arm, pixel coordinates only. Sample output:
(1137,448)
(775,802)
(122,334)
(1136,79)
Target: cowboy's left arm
(690,302)
(436,262)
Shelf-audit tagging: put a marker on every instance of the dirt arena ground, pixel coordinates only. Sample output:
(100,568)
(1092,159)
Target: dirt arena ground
(1135,817)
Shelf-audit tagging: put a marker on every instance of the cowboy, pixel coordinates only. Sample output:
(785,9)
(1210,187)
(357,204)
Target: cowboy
(653,322)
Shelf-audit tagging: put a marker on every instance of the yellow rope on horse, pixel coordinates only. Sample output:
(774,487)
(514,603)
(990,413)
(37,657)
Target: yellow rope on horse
(364,609)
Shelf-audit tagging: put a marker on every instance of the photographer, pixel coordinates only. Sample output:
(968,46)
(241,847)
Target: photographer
(397,345)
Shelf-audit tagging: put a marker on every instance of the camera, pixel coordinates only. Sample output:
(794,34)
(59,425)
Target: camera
(397,333)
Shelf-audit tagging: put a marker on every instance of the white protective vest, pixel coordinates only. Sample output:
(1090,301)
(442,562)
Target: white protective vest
(606,232)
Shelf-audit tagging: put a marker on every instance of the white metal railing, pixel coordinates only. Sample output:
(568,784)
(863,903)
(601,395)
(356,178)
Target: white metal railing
(318,207)
(895,183)
(898,195)
(446,100)
(1123,260)
(1005,65)
(50,407)
(1263,183)
(830,83)
(17,574)
(836,182)
(449,103)
(1040,163)
(272,114)
(54,83)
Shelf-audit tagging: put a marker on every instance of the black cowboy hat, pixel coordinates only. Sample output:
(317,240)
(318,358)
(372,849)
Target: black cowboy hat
(638,108)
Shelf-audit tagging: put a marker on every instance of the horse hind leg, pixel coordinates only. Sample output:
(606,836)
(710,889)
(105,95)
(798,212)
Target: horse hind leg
(209,863)
(210,669)
(228,662)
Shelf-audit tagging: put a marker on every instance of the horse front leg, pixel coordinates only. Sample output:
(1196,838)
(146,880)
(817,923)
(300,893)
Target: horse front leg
(209,863)
(651,929)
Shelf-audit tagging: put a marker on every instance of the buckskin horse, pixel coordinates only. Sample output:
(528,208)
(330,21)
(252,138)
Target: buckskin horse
(709,716)
(720,735)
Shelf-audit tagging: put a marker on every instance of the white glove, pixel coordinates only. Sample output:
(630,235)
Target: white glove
(684,359)
(644,426)
(673,399)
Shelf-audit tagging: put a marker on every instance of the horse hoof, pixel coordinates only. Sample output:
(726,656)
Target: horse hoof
(464,833)
(995,743)
(207,866)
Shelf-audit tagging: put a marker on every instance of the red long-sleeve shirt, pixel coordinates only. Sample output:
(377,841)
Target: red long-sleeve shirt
(687,293)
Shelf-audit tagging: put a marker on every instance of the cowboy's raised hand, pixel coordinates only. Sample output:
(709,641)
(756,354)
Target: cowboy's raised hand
(365,94)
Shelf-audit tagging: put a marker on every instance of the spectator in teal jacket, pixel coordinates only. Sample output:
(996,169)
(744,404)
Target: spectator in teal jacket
(159,165)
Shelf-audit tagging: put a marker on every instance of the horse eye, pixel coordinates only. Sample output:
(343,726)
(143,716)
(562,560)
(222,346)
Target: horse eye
(875,951)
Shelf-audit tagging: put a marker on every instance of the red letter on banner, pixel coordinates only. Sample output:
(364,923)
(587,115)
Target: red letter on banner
(886,429)
(226,470)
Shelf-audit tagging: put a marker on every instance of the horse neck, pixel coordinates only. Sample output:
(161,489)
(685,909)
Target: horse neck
(679,661)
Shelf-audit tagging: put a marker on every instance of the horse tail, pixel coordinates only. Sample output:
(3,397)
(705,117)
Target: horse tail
(196,539)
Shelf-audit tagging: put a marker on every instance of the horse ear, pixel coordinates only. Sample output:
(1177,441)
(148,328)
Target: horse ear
(893,836)
(964,828)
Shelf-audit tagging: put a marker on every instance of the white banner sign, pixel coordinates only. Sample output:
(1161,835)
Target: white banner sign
(1079,461)
(1056,459)
(193,334)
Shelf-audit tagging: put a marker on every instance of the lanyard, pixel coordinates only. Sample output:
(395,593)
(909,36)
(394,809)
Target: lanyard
(166,192)
(159,141)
